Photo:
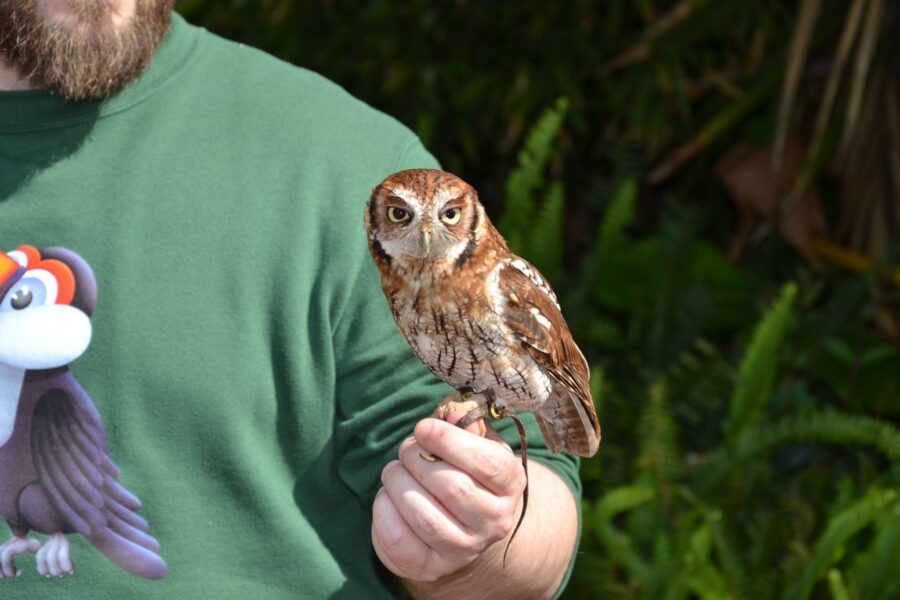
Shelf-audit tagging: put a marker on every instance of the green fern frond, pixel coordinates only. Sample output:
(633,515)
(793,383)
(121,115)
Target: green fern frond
(703,381)
(730,558)
(825,427)
(528,176)
(618,546)
(537,150)
(621,550)
(665,559)
(708,584)
(668,327)
(836,585)
(733,573)
(757,373)
(544,244)
(618,217)
(875,570)
(660,454)
(621,499)
(841,528)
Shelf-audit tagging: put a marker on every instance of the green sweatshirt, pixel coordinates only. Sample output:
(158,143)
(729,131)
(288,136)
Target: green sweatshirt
(240,354)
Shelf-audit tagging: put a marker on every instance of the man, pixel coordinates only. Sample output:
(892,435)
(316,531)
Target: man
(243,361)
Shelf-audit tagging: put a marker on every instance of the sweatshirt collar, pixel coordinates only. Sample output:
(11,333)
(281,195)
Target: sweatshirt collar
(35,110)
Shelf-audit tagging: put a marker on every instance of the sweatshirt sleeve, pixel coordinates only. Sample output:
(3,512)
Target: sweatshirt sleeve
(382,389)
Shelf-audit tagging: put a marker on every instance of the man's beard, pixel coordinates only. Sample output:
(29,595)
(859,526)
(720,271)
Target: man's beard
(83,56)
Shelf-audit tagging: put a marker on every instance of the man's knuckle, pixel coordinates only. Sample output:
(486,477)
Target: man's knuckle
(393,540)
(387,474)
(404,453)
(521,482)
(406,444)
(430,576)
(412,563)
(504,525)
(432,568)
(428,523)
(492,466)
(459,489)
(438,434)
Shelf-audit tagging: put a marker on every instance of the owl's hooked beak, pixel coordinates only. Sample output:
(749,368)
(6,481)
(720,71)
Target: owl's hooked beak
(425,243)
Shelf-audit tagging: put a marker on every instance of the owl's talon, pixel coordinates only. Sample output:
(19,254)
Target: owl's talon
(473,406)
(470,417)
(430,457)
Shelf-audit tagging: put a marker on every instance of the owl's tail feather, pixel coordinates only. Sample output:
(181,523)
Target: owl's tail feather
(137,556)
(567,424)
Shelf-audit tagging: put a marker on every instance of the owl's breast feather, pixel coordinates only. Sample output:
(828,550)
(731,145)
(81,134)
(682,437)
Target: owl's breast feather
(466,344)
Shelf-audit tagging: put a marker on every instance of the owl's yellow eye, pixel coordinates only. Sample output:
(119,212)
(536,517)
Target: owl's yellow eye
(451,216)
(398,215)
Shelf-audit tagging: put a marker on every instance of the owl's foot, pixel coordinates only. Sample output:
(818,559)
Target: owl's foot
(465,402)
(10,549)
(53,559)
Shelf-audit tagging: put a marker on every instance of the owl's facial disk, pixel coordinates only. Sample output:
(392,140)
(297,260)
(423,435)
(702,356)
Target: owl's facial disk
(423,229)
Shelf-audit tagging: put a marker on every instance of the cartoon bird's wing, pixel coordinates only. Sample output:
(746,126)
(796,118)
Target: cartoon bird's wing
(567,420)
(79,480)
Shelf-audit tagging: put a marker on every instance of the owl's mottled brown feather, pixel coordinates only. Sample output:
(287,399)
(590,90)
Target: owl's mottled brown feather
(555,351)
(478,316)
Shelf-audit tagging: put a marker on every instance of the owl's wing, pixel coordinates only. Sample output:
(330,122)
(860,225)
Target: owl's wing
(78,479)
(567,420)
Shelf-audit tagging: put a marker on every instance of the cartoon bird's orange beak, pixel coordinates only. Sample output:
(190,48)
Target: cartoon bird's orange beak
(10,272)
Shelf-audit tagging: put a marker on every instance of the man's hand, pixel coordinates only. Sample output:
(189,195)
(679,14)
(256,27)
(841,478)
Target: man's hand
(433,518)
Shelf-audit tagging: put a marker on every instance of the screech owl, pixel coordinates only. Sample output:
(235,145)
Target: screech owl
(481,318)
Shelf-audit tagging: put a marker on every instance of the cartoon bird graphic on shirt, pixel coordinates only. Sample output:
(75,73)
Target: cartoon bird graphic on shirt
(56,476)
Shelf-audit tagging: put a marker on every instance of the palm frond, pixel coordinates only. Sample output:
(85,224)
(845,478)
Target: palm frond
(870,35)
(848,36)
(800,43)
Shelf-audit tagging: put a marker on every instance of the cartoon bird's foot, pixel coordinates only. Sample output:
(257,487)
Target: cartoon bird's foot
(467,402)
(10,549)
(53,559)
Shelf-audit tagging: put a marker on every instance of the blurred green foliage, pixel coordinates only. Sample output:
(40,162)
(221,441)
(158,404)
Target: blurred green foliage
(749,399)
